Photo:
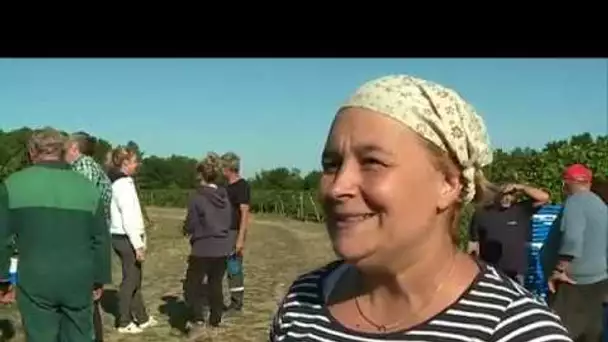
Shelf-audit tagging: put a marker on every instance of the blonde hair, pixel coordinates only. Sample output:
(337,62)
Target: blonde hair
(231,161)
(210,168)
(120,155)
(47,142)
(447,164)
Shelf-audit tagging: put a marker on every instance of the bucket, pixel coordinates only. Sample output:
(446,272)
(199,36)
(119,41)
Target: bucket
(233,265)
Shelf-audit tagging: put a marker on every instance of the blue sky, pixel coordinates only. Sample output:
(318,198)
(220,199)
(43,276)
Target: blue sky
(276,112)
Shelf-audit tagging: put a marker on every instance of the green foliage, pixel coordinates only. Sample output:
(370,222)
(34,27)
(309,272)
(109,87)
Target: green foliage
(543,168)
(102,147)
(175,172)
(166,181)
(13,154)
(465,219)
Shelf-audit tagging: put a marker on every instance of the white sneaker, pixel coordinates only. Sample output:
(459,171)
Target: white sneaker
(132,328)
(152,322)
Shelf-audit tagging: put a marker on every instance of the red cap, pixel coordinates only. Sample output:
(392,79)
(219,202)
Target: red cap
(577,173)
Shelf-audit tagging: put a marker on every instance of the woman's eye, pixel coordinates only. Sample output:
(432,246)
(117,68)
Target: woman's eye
(372,163)
(329,166)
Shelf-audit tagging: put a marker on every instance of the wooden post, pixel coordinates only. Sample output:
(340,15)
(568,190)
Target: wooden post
(304,215)
(281,206)
(314,206)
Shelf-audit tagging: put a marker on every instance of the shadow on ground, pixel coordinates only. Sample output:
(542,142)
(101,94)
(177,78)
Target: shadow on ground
(7,330)
(177,312)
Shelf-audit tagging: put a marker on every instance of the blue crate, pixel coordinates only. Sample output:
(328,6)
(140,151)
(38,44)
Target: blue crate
(542,222)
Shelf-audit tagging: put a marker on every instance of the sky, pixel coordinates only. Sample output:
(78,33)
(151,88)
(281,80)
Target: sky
(276,112)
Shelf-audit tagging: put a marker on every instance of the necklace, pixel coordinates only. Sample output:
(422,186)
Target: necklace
(386,327)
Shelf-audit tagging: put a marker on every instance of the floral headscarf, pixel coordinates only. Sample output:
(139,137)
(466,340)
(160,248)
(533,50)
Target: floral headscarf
(435,112)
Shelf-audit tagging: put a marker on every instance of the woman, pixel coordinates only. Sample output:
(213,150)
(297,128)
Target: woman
(208,225)
(128,240)
(402,157)
(107,162)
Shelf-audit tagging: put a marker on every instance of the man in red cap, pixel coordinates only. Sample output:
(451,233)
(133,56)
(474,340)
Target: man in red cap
(579,280)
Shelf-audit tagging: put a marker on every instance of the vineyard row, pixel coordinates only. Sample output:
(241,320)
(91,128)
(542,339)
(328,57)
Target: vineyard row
(293,204)
(299,205)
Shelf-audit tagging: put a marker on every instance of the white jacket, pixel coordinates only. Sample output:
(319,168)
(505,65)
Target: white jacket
(125,212)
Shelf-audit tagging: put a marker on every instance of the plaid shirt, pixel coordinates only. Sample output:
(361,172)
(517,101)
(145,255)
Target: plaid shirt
(88,167)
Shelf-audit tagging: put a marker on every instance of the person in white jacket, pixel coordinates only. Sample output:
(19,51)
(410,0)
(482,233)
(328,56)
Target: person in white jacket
(129,241)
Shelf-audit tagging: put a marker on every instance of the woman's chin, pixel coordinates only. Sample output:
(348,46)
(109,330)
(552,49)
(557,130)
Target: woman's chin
(351,253)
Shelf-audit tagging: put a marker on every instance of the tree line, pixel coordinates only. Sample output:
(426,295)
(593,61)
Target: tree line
(541,167)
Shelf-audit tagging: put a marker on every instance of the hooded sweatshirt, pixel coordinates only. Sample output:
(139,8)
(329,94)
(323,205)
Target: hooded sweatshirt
(208,222)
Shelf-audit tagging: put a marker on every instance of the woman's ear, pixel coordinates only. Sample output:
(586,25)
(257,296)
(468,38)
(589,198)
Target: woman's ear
(449,192)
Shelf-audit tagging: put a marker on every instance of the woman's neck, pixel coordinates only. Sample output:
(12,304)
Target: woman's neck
(411,286)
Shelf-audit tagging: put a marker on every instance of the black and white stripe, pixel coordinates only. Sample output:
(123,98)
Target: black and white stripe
(494,308)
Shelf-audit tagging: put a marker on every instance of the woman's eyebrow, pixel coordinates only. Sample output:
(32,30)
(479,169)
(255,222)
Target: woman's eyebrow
(370,148)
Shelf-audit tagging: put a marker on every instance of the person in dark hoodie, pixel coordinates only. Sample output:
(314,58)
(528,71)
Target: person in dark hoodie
(207,224)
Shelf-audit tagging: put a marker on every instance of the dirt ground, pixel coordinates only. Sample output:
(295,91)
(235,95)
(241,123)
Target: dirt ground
(277,250)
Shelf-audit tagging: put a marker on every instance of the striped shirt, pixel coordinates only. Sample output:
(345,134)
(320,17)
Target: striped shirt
(493,308)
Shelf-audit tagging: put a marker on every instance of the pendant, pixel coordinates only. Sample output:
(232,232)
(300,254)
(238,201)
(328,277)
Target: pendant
(382,328)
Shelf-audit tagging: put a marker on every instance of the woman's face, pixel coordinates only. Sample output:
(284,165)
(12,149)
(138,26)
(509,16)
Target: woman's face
(108,160)
(130,165)
(380,188)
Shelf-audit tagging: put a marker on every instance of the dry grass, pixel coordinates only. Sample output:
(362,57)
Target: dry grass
(277,250)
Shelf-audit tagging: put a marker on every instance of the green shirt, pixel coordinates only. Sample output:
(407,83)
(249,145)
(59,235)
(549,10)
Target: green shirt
(58,221)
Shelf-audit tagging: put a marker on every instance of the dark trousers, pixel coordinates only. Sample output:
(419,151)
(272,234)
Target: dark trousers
(53,318)
(130,300)
(605,330)
(214,269)
(236,286)
(581,309)
(97,321)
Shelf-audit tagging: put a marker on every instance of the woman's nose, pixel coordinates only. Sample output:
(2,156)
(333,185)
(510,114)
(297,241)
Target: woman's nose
(346,182)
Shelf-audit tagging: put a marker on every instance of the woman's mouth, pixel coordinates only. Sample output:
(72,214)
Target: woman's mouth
(348,220)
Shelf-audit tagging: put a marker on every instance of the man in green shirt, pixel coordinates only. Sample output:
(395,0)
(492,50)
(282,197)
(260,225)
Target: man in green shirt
(79,154)
(58,220)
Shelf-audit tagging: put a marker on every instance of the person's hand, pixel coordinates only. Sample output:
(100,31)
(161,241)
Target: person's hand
(140,254)
(559,277)
(7,294)
(97,293)
(511,188)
